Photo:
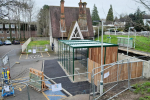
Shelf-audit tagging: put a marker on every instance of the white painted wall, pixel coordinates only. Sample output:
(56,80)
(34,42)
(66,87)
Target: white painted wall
(55,45)
(24,46)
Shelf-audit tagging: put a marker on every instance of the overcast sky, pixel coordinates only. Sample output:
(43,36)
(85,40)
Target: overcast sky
(119,6)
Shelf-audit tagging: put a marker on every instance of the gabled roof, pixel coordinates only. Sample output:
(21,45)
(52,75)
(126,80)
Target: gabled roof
(71,15)
(71,29)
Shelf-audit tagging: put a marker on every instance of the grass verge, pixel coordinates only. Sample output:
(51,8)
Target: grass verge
(33,43)
(143,89)
(142,43)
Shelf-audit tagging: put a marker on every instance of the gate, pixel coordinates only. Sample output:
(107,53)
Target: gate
(102,81)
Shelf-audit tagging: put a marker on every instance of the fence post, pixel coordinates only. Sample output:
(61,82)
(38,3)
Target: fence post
(94,80)
(128,74)
(101,82)
(143,70)
(8,61)
(87,67)
(118,73)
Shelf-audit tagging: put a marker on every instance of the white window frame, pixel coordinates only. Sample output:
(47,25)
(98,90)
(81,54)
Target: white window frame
(13,32)
(1,31)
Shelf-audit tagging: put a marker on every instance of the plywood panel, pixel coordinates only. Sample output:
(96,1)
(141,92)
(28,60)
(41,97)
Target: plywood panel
(95,54)
(120,71)
(133,70)
(111,54)
(139,66)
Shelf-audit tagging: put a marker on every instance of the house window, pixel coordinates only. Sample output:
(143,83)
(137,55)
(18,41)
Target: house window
(12,25)
(13,32)
(6,25)
(7,32)
(1,25)
(1,32)
(8,37)
(1,38)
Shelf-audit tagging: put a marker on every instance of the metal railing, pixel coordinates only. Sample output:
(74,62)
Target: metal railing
(116,77)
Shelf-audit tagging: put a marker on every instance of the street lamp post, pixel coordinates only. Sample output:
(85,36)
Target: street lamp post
(98,21)
(128,38)
(101,81)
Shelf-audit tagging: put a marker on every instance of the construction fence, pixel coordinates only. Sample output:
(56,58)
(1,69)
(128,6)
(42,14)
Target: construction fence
(37,48)
(121,72)
(10,58)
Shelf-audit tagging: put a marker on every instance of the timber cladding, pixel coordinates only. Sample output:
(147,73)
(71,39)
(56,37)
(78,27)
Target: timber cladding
(118,71)
(110,54)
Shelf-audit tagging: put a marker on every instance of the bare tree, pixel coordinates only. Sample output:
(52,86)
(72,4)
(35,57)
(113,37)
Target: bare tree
(146,3)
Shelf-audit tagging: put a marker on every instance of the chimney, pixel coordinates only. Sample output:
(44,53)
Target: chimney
(62,17)
(62,8)
(80,7)
(82,21)
(84,7)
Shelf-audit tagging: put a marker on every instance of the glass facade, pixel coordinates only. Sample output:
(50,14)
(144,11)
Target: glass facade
(73,54)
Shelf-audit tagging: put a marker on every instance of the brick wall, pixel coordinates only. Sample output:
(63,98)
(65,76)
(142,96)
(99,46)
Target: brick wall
(5,35)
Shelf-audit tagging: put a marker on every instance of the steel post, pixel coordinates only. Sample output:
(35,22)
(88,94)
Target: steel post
(128,75)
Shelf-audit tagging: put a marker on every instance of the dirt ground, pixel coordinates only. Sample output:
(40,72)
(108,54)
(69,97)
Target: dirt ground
(128,94)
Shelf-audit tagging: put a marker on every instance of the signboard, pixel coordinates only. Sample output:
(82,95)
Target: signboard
(46,49)
(29,50)
(5,60)
(56,87)
(34,50)
(106,75)
(6,25)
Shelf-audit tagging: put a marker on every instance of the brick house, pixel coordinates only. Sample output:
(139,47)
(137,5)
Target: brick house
(10,30)
(70,23)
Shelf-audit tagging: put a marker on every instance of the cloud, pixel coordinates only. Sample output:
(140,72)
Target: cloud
(119,6)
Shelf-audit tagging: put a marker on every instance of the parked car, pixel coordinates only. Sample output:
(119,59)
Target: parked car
(7,42)
(1,43)
(15,42)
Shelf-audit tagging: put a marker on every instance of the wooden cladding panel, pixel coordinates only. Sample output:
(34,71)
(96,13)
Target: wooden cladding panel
(95,54)
(111,55)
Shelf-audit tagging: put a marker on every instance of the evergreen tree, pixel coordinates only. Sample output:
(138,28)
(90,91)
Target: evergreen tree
(95,15)
(110,16)
(136,21)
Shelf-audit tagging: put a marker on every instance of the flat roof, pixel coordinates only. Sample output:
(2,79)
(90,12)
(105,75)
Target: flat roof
(86,43)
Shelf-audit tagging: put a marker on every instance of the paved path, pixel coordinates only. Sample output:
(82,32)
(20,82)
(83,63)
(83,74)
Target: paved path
(52,69)
(50,95)
(20,72)
(6,48)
